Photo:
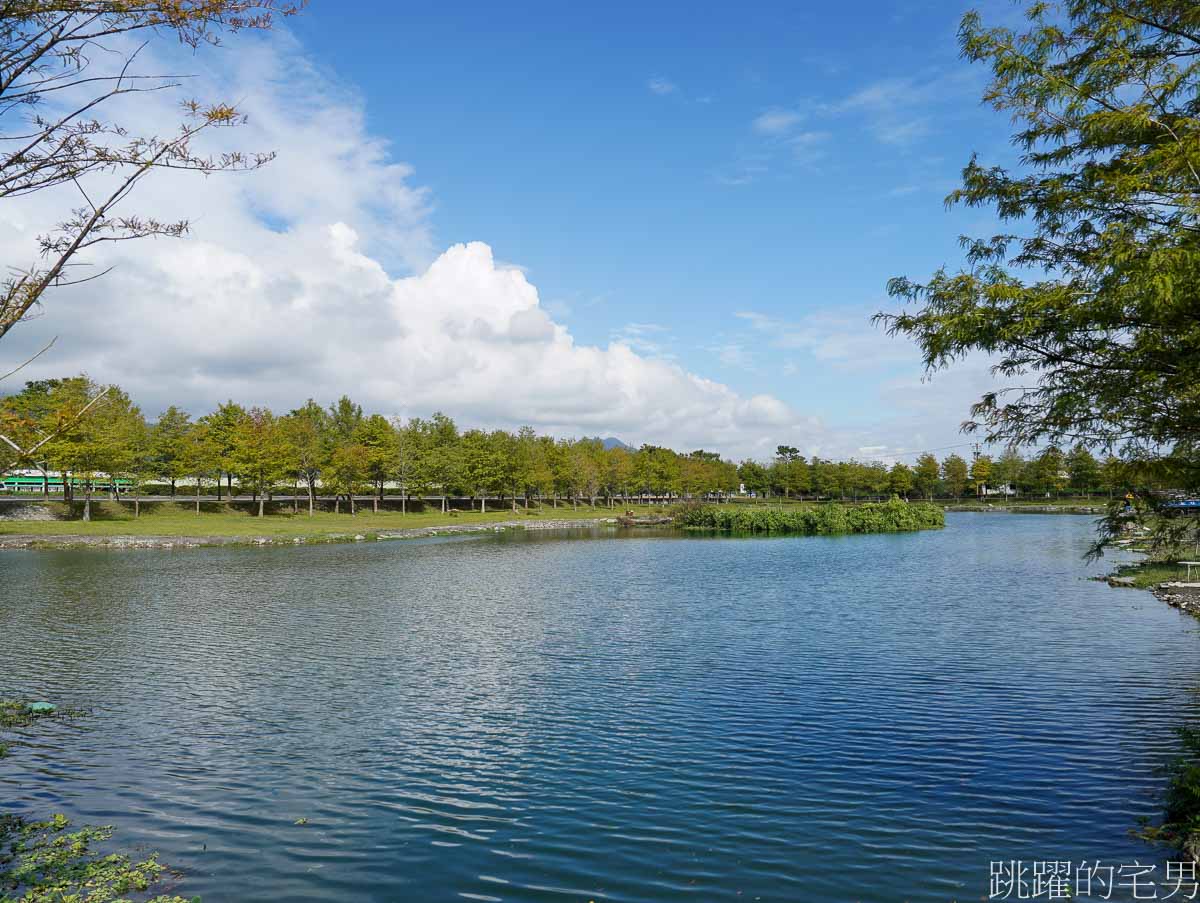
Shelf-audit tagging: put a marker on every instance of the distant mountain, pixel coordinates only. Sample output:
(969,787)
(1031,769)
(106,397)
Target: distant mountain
(613,442)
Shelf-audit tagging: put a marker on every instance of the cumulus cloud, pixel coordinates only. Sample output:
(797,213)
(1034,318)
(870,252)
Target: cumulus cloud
(318,276)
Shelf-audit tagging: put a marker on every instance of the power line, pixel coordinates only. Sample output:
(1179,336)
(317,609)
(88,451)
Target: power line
(926,451)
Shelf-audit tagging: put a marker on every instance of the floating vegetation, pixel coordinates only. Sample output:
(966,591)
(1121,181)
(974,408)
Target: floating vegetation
(895,516)
(46,862)
(51,862)
(18,713)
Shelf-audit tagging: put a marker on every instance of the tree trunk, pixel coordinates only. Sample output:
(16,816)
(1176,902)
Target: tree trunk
(353,510)
(375,504)
(443,503)
(404,501)
(87,500)
(262,500)
(337,504)
(310,499)
(218,485)
(295,497)
(197,496)
(483,504)
(172,487)
(137,504)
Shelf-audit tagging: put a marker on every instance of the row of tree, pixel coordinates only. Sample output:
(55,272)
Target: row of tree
(338,450)
(341,451)
(1051,471)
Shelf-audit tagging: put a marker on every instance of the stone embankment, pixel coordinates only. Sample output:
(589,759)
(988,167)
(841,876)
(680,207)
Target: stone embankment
(27,512)
(1184,596)
(1031,509)
(71,541)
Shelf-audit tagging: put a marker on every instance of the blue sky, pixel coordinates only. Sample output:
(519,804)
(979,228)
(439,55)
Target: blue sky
(674,166)
(668,224)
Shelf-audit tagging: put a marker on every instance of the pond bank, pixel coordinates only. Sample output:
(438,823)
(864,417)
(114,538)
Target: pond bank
(82,541)
(1027,509)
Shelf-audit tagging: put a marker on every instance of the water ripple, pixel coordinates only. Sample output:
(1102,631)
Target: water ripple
(643,718)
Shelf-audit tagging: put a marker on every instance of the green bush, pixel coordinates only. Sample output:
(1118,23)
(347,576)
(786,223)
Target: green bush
(895,516)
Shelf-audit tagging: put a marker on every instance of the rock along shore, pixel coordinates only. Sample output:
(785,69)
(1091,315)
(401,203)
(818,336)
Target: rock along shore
(1029,509)
(80,541)
(1184,596)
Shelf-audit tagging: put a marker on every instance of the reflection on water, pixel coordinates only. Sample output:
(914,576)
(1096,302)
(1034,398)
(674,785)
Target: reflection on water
(634,718)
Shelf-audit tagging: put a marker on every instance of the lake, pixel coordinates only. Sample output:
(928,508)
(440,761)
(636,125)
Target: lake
(601,716)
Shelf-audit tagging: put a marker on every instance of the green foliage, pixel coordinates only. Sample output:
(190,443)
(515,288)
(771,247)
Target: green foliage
(349,469)
(874,517)
(167,441)
(376,435)
(225,425)
(17,713)
(1105,215)
(900,479)
(1083,470)
(954,473)
(981,472)
(260,454)
(1180,828)
(926,475)
(47,862)
(341,450)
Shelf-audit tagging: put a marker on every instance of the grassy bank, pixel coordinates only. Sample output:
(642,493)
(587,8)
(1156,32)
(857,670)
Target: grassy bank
(169,519)
(1148,574)
(815,520)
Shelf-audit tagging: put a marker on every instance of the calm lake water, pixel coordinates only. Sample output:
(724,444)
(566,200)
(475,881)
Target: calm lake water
(636,718)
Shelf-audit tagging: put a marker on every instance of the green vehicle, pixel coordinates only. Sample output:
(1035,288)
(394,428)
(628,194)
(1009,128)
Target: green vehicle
(30,482)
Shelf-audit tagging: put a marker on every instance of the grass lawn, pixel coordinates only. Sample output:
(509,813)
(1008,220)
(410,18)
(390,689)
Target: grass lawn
(180,519)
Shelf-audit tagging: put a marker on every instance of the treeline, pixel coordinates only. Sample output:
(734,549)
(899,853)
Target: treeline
(1050,471)
(343,451)
(339,450)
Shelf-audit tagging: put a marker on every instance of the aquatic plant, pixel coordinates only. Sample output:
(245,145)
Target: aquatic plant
(1180,828)
(49,862)
(15,713)
(46,862)
(895,516)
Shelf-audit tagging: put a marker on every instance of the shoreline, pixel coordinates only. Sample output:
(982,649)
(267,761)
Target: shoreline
(1026,509)
(47,541)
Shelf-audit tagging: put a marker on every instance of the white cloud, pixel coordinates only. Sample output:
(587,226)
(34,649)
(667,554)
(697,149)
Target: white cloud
(776,121)
(661,86)
(899,111)
(847,341)
(317,277)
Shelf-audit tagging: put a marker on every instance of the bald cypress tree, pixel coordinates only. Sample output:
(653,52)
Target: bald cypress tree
(1090,298)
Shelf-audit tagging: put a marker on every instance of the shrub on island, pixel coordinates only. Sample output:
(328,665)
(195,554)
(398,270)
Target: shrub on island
(895,516)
